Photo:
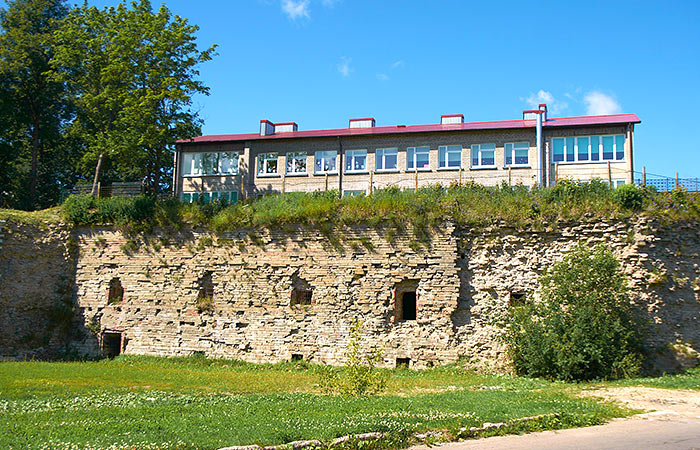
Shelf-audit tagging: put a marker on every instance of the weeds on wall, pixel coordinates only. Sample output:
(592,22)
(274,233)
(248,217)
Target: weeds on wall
(419,211)
(360,376)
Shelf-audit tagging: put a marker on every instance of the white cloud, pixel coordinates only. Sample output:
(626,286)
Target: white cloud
(398,65)
(598,103)
(382,77)
(344,66)
(554,106)
(296,9)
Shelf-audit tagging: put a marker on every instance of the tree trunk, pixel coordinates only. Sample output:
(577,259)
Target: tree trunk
(35,162)
(98,168)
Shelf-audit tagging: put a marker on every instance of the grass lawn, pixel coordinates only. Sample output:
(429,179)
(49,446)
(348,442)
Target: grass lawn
(194,403)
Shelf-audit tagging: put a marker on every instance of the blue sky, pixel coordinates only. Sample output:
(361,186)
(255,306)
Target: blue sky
(321,62)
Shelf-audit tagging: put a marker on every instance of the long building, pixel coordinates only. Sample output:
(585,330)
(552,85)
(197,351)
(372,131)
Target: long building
(532,150)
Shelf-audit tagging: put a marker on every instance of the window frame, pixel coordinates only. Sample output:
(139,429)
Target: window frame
(383,152)
(350,158)
(446,153)
(193,197)
(513,149)
(263,160)
(414,159)
(333,171)
(479,150)
(599,139)
(294,157)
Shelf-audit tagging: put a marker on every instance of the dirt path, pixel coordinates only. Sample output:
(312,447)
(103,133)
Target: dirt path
(671,422)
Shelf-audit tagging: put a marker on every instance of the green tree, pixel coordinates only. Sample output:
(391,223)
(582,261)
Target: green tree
(34,107)
(583,327)
(133,72)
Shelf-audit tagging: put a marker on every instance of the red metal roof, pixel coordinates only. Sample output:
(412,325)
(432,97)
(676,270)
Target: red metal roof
(469,126)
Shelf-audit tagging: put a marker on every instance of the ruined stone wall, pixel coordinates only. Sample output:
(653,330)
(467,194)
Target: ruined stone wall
(37,271)
(353,274)
(500,264)
(463,278)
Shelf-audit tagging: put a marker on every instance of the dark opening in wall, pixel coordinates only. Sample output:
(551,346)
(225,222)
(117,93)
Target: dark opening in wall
(406,301)
(116,291)
(403,362)
(297,357)
(302,293)
(111,344)
(205,297)
(517,299)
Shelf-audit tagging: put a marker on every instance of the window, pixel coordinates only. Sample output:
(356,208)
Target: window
(589,148)
(296,162)
(417,158)
(267,163)
(356,160)
(483,155)
(387,159)
(325,162)
(517,153)
(116,291)
(353,193)
(228,163)
(450,156)
(224,197)
(210,163)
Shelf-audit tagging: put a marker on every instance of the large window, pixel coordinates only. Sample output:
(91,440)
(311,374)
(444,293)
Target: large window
(417,158)
(210,163)
(356,161)
(296,162)
(484,155)
(267,163)
(450,156)
(589,148)
(387,159)
(517,153)
(325,162)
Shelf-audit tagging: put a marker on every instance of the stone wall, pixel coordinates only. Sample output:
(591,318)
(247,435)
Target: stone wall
(463,279)
(37,273)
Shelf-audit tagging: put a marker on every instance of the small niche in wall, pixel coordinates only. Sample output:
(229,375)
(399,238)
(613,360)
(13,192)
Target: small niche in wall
(111,344)
(517,298)
(302,293)
(297,357)
(406,301)
(403,363)
(205,296)
(115,294)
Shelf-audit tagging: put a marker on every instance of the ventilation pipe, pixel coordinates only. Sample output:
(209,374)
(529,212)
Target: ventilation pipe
(540,155)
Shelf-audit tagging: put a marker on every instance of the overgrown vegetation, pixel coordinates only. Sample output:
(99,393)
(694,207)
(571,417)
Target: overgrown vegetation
(360,377)
(394,209)
(583,327)
(141,403)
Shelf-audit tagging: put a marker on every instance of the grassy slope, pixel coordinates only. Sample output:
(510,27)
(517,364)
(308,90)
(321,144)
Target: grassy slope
(152,403)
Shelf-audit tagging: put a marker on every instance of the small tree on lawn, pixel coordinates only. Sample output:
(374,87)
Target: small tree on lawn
(583,327)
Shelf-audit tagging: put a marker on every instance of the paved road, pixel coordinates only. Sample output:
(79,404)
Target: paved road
(674,425)
(626,434)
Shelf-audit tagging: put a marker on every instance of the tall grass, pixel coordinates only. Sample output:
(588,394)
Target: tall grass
(466,205)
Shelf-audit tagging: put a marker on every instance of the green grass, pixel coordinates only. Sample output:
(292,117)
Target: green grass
(690,379)
(195,403)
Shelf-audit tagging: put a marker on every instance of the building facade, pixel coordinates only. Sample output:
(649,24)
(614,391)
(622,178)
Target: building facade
(534,150)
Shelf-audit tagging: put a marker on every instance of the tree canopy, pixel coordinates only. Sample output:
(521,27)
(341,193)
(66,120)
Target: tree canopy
(96,93)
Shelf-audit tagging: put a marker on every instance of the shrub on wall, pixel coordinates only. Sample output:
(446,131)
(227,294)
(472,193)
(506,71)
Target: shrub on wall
(583,327)
(630,197)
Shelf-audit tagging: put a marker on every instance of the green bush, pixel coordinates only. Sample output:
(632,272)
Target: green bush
(86,210)
(582,328)
(629,196)
(360,376)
